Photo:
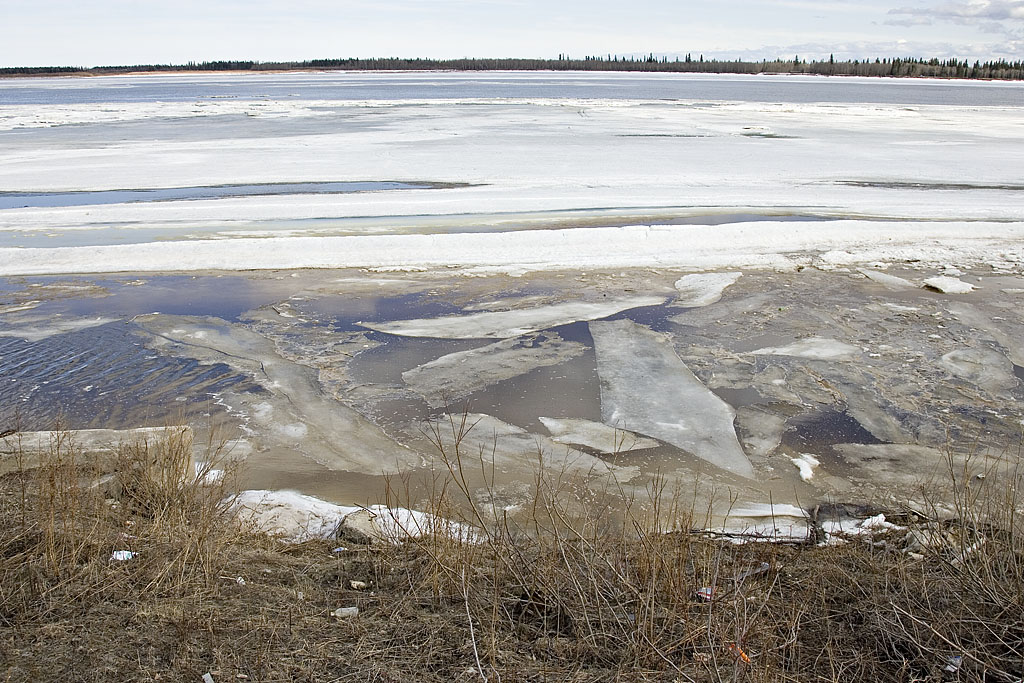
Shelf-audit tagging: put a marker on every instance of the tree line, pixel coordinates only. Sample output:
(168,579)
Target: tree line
(901,67)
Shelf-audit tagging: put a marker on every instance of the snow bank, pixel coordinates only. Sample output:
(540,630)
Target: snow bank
(762,244)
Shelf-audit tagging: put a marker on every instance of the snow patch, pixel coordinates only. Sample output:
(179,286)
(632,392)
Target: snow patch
(806,463)
(703,289)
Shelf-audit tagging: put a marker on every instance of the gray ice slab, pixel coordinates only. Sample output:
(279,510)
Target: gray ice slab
(457,375)
(505,324)
(646,388)
(595,435)
(702,289)
(987,369)
(815,348)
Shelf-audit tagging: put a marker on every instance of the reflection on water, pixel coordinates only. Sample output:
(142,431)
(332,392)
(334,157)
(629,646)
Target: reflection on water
(818,432)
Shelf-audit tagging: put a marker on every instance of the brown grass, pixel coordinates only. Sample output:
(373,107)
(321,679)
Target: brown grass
(561,596)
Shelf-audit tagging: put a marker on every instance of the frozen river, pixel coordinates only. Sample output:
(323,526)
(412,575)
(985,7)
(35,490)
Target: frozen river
(718,278)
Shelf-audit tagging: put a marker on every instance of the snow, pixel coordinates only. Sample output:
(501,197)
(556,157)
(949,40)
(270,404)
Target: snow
(505,324)
(530,163)
(703,289)
(814,348)
(297,517)
(948,285)
(457,375)
(762,244)
(595,435)
(805,462)
(646,388)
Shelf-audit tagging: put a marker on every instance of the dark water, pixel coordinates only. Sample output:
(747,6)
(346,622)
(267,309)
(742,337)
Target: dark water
(17,200)
(103,377)
(341,86)
(818,432)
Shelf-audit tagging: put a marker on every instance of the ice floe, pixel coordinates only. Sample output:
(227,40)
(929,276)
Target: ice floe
(948,285)
(814,348)
(702,289)
(889,281)
(646,388)
(505,324)
(595,435)
(457,375)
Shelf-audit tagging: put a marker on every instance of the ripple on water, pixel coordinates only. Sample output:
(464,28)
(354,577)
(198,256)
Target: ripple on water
(103,377)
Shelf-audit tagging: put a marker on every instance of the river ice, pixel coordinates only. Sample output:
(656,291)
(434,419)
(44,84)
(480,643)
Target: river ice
(294,414)
(595,435)
(457,375)
(646,388)
(512,323)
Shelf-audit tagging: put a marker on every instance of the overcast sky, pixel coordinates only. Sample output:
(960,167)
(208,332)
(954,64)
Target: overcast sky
(98,32)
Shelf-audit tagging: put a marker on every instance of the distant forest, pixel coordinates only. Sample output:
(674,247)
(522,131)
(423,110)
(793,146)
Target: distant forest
(896,66)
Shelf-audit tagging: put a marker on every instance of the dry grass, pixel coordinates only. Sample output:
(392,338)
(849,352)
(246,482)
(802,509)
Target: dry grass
(558,597)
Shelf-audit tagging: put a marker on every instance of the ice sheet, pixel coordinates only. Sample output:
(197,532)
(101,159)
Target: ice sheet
(703,289)
(457,375)
(595,435)
(505,324)
(532,163)
(646,388)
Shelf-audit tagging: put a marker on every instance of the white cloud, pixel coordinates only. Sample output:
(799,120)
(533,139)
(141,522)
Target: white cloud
(969,12)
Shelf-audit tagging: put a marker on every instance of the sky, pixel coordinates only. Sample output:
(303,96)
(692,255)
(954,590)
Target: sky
(109,32)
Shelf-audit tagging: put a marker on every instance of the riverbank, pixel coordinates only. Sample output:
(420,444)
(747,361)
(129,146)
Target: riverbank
(156,581)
